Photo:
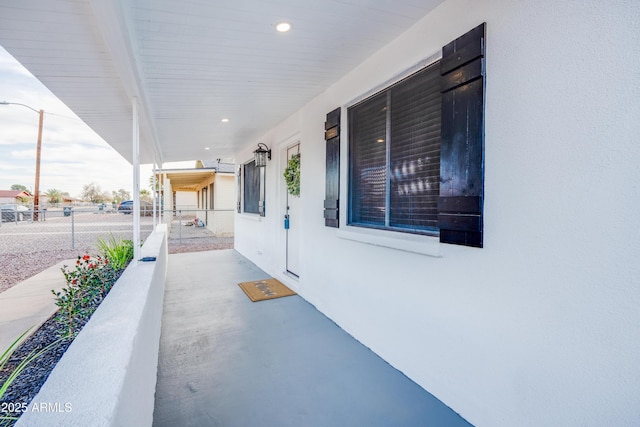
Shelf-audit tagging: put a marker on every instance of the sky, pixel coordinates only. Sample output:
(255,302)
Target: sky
(72,154)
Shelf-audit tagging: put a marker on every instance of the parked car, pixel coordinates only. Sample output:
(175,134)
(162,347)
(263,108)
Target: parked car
(14,212)
(126,207)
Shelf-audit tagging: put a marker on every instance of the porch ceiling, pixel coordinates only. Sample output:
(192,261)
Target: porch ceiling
(191,63)
(187,180)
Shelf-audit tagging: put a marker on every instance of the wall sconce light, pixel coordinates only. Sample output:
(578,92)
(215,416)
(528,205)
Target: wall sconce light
(261,155)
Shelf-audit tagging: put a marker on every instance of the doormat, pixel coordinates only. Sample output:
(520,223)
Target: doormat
(261,290)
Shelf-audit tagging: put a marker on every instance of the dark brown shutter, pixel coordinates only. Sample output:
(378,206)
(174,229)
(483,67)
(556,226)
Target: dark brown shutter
(332,175)
(460,206)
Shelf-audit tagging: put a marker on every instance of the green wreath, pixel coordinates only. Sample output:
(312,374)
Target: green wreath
(292,175)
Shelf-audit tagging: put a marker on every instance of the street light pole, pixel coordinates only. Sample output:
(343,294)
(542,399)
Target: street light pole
(36,195)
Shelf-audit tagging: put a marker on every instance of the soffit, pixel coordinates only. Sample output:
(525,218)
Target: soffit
(191,63)
(187,179)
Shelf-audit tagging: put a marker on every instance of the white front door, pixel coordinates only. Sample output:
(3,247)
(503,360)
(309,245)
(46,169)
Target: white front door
(292,224)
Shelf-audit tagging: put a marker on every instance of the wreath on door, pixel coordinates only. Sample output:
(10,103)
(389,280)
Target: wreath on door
(292,175)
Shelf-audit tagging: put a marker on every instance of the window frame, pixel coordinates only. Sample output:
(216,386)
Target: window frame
(211,198)
(386,231)
(242,187)
(460,206)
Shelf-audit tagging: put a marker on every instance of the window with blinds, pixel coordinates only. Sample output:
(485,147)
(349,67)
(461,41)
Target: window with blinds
(251,180)
(394,152)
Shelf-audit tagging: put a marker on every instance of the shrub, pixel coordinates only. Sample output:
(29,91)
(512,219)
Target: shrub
(24,363)
(87,285)
(117,250)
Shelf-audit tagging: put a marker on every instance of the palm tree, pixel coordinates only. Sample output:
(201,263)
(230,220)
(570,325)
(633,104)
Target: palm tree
(120,195)
(54,196)
(145,195)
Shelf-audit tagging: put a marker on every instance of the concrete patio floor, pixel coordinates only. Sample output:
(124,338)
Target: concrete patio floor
(226,361)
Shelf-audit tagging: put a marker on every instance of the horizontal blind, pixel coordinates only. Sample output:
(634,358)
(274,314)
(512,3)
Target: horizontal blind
(415,151)
(368,175)
(251,187)
(395,155)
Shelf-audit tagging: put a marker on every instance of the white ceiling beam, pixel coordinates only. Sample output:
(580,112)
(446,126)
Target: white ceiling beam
(115,27)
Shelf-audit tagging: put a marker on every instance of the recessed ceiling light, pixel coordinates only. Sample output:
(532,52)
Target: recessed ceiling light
(207,148)
(225,120)
(283,27)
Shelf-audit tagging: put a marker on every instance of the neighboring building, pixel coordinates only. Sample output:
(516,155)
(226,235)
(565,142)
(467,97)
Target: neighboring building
(206,191)
(185,200)
(15,196)
(68,200)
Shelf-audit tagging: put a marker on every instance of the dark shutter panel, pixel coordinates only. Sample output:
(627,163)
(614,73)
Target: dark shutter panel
(332,176)
(460,205)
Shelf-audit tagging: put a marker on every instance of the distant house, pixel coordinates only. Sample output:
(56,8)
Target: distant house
(206,191)
(68,200)
(14,196)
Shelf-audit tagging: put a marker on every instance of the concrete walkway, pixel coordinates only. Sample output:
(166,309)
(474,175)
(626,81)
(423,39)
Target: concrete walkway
(226,361)
(29,303)
(181,230)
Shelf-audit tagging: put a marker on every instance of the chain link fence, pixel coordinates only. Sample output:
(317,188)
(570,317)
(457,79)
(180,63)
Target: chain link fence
(65,228)
(194,230)
(33,241)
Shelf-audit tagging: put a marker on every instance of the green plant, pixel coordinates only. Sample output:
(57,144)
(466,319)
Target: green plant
(87,284)
(24,363)
(292,175)
(117,250)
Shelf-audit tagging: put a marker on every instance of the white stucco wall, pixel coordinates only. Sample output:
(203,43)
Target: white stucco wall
(225,191)
(224,204)
(186,200)
(541,326)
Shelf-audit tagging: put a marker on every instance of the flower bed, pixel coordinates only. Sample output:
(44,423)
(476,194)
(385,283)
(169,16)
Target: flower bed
(108,374)
(88,283)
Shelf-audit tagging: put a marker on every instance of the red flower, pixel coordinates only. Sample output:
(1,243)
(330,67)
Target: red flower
(106,261)
(74,281)
(86,257)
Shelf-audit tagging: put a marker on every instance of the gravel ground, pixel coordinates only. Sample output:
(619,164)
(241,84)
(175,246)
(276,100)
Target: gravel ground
(24,388)
(22,391)
(16,267)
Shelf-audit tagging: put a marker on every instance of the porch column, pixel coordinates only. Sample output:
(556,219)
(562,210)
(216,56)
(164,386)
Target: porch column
(136,181)
(154,199)
(168,196)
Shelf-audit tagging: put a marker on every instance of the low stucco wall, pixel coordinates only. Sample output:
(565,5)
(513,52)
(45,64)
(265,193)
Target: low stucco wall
(107,377)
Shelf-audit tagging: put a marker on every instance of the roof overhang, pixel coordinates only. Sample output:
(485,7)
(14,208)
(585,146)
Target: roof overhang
(186,179)
(188,65)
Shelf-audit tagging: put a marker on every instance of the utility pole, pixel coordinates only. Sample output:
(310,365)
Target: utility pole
(36,196)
